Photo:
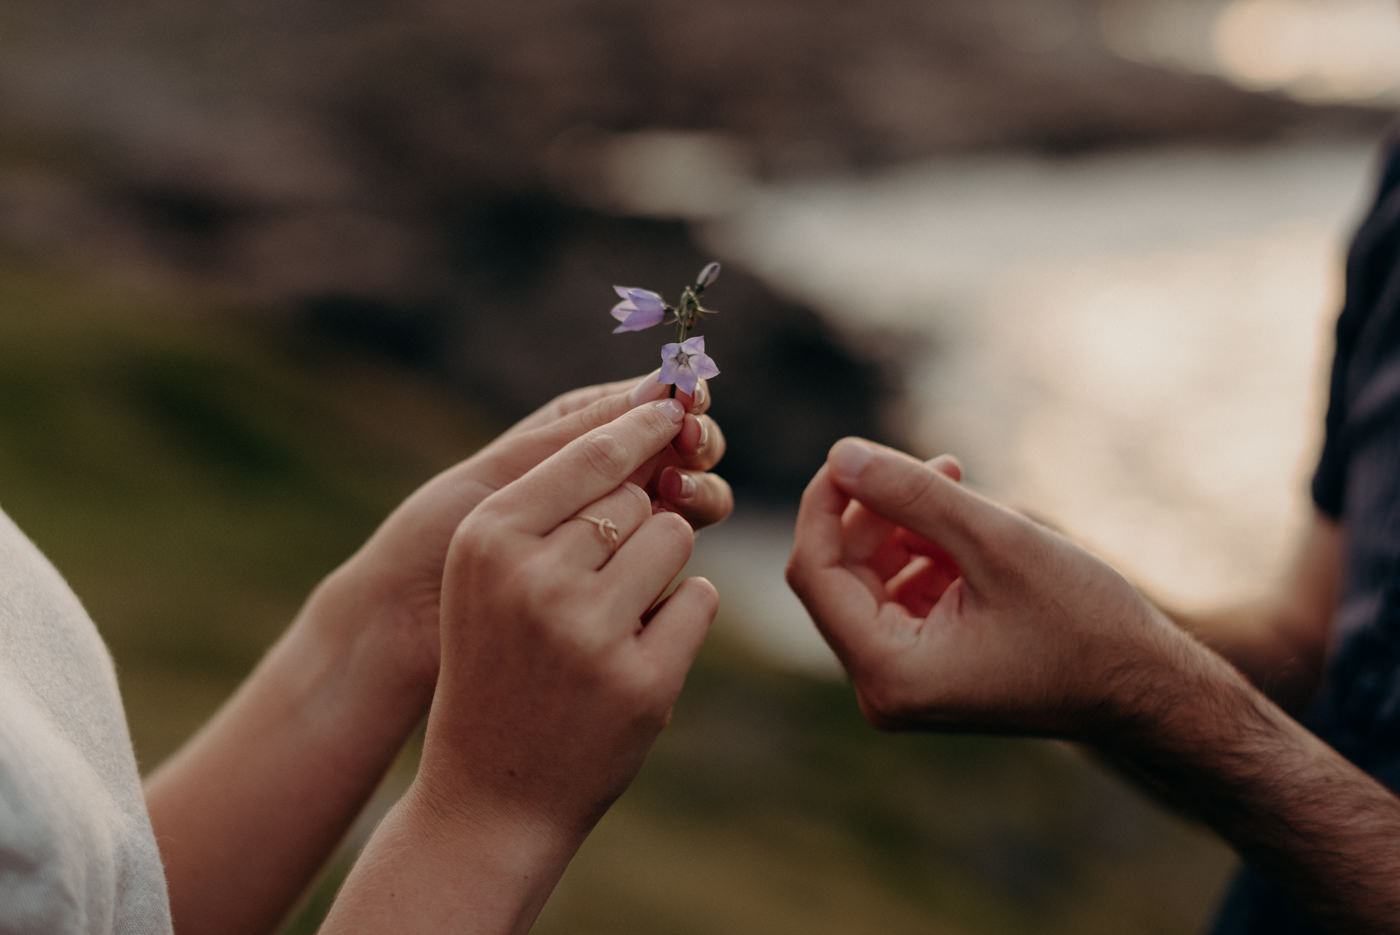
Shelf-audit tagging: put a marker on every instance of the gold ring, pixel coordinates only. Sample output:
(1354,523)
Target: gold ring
(606,528)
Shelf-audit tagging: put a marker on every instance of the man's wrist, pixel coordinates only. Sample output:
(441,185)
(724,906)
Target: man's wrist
(1191,724)
(1171,694)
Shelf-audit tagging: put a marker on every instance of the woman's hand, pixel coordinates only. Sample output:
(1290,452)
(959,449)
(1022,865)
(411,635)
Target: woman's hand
(560,664)
(385,599)
(560,660)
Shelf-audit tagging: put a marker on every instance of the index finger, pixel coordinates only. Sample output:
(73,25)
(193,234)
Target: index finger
(588,467)
(817,540)
(585,405)
(840,602)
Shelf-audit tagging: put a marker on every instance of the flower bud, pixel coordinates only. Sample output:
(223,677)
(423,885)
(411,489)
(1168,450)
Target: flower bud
(707,275)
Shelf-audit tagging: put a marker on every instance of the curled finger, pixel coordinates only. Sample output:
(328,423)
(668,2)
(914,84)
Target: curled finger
(700,444)
(646,564)
(703,499)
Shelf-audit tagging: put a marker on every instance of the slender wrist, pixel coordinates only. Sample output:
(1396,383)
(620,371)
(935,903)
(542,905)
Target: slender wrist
(346,679)
(433,867)
(371,639)
(500,839)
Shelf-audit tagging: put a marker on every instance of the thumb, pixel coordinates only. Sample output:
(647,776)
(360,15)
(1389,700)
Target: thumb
(921,497)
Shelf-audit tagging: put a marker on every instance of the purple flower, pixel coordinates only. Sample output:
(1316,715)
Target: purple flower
(639,308)
(686,364)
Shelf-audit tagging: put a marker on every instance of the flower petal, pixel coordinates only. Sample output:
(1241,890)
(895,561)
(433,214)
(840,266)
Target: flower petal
(645,299)
(670,365)
(705,367)
(635,318)
(686,381)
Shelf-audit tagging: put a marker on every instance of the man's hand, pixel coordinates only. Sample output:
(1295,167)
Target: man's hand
(950,611)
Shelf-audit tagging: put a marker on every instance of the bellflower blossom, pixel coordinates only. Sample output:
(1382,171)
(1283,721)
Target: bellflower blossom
(684,363)
(639,308)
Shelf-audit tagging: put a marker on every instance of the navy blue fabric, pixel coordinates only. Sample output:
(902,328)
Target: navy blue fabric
(1357,482)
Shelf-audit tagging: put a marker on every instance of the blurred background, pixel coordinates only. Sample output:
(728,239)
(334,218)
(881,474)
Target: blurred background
(264,267)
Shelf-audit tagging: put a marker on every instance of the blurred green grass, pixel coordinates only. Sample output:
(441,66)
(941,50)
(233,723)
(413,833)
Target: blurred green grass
(194,473)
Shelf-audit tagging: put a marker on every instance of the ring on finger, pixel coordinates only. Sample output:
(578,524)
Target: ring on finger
(607,529)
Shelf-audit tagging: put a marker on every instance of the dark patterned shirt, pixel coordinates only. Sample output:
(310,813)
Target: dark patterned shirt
(1357,483)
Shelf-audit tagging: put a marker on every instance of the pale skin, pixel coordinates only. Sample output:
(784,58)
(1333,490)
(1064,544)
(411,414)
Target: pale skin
(286,765)
(952,612)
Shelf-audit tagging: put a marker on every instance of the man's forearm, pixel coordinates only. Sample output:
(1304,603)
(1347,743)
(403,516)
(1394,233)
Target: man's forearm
(1279,640)
(1215,747)
(1279,657)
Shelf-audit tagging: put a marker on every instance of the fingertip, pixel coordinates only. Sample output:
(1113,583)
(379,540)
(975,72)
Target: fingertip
(947,465)
(678,628)
(848,457)
(702,499)
(691,439)
(671,409)
(704,594)
(708,587)
(676,486)
(699,401)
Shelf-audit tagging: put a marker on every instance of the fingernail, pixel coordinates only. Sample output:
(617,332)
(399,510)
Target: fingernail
(848,457)
(671,409)
(704,435)
(699,398)
(687,487)
(647,389)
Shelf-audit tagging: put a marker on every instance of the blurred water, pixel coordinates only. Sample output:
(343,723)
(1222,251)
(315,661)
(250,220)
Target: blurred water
(1340,50)
(1131,346)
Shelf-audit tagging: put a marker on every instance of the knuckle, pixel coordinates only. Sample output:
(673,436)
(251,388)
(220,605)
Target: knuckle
(567,401)
(882,688)
(605,453)
(1001,539)
(477,540)
(795,572)
(909,489)
(575,642)
(678,533)
(635,501)
(550,593)
(646,693)
(600,411)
